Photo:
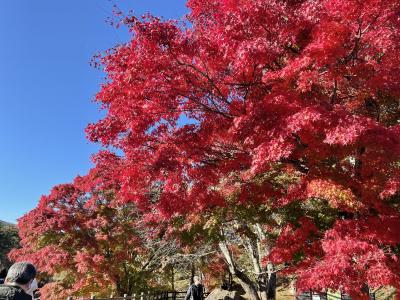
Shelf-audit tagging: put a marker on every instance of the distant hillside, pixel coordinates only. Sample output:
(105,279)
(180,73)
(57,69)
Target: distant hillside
(4,223)
(8,240)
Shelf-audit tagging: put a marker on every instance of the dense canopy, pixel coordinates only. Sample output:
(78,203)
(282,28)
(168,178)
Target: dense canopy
(273,117)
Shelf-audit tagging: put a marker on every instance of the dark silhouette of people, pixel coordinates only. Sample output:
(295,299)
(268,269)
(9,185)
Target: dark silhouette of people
(196,290)
(3,274)
(271,282)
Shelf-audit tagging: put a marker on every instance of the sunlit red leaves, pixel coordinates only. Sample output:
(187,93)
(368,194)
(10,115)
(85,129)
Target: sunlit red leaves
(48,259)
(354,256)
(392,187)
(295,240)
(347,130)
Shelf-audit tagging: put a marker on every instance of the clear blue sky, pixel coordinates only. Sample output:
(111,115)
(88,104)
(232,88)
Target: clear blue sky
(47,87)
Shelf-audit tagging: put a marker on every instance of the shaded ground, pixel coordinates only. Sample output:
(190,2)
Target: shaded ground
(286,294)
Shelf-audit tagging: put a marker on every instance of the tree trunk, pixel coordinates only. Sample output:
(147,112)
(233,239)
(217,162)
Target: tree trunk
(271,282)
(254,254)
(263,251)
(230,281)
(193,271)
(243,279)
(173,277)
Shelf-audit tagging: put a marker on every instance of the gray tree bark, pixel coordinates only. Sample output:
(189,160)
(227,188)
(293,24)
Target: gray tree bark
(247,284)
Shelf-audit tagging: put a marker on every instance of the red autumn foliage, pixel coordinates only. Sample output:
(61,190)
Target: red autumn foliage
(83,235)
(295,241)
(306,89)
(357,252)
(310,86)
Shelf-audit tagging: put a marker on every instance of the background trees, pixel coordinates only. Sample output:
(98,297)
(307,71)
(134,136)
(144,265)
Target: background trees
(8,240)
(263,128)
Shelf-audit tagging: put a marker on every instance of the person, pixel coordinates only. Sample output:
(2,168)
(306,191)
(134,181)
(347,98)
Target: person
(196,290)
(18,282)
(33,288)
(3,275)
(271,282)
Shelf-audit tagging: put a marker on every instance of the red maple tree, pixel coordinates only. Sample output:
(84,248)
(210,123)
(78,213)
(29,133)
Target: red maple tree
(306,90)
(287,110)
(85,240)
